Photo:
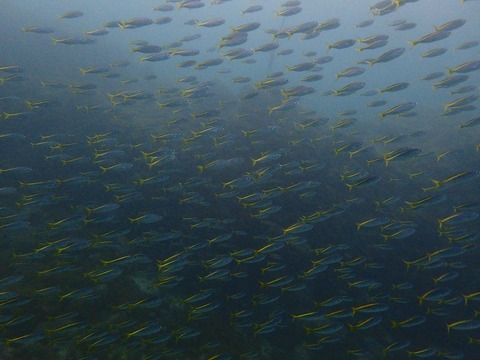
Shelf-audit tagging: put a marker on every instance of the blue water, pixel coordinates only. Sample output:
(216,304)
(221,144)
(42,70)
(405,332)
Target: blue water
(144,216)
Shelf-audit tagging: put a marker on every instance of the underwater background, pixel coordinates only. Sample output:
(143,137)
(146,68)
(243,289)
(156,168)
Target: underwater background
(239,179)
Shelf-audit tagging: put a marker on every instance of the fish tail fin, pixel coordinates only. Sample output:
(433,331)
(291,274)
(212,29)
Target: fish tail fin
(412,43)
(111,97)
(83,71)
(440,225)
(271,110)
(437,183)
(308,330)
(262,284)
(201,168)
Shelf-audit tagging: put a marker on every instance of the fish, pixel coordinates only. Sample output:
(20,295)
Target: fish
(432,76)
(39,29)
(349,88)
(400,154)
(374,45)
(465,67)
(246,27)
(289,11)
(457,218)
(266,47)
(426,201)
(451,25)
(463,325)
(96,32)
(301,67)
(351,72)
(158,56)
(372,223)
(147,49)
(364,24)
(211,22)
(450,81)
(458,178)
(71,15)
(366,324)
(395,87)
(208,63)
(365,181)
(95,70)
(399,109)
(434,53)
(135,23)
(252,9)
(468,45)
(471,123)
(342,44)
(387,56)
(406,26)
(73,40)
(163,20)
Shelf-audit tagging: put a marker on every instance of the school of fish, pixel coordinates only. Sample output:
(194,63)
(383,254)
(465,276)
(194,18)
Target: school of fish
(175,204)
